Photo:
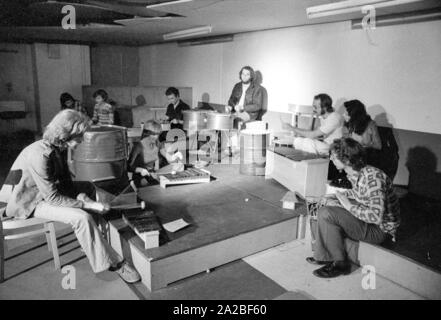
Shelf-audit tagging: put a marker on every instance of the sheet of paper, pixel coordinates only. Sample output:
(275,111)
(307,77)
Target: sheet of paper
(176,225)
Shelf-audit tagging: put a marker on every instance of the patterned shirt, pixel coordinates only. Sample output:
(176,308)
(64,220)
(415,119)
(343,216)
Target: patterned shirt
(103,113)
(375,199)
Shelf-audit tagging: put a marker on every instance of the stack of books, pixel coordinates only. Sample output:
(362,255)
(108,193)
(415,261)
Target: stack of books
(146,225)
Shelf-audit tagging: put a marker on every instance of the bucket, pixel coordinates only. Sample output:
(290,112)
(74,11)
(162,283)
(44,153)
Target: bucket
(253,145)
(102,155)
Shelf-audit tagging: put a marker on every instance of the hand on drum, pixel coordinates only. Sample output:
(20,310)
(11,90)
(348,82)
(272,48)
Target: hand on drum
(228,109)
(175,121)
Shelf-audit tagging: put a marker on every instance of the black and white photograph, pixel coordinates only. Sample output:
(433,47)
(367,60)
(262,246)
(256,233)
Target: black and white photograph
(220,157)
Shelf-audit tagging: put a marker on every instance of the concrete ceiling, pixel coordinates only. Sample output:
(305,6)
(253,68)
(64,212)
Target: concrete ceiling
(225,17)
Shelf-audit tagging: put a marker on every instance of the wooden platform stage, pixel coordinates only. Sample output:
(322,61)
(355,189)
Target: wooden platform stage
(231,217)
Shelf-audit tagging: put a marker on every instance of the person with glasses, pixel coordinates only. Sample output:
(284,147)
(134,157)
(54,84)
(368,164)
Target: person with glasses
(368,212)
(44,189)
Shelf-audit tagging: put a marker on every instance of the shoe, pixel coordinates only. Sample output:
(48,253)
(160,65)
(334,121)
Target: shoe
(128,273)
(333,270)
(311,260)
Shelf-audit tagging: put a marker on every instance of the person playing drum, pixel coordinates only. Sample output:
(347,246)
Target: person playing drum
(246,102)
(175,108)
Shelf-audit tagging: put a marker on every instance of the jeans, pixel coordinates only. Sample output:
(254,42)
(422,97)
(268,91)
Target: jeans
(99,252)
(336,223)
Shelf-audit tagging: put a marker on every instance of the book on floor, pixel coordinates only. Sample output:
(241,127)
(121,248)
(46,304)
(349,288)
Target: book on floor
(146,225)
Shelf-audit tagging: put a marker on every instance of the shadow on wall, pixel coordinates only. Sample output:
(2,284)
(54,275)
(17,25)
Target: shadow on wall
(423,177)
(259,81)
(140,101)
(205,102)
(339,105)
(387,159)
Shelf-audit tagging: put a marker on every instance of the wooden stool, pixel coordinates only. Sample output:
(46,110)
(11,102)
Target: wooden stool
(10,229)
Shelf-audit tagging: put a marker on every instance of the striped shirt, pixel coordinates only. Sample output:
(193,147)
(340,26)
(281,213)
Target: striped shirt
(103,113)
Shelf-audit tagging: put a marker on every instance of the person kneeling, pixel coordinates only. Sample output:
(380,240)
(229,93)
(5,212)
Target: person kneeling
(368,212)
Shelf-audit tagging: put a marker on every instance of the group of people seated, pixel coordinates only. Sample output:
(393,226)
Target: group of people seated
(368,211)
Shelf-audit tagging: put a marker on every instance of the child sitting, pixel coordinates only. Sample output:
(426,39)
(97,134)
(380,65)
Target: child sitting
(103,112)
(144,155)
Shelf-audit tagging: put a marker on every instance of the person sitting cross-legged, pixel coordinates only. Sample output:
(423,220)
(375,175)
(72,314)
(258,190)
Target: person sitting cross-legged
(368,212)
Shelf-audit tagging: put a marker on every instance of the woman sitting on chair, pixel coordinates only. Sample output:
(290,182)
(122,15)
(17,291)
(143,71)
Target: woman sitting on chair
(44,189)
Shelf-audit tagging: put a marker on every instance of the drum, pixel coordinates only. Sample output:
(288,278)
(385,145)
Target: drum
(134,133)
(253,145)
(102,155)
(195,120)
(219,121)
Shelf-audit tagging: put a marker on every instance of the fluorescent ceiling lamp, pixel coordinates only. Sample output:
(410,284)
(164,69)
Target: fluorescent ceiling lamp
(140,20)
(188,33)
(162,4)
(352,6)
(408,17)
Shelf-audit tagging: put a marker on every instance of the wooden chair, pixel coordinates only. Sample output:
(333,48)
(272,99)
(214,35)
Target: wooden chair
(11,228)
(15,229)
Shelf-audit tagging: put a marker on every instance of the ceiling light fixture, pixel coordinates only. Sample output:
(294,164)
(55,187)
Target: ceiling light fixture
(188,33)
(351,6)
(162,4)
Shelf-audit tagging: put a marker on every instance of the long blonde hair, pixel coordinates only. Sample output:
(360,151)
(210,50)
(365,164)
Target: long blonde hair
(66,125)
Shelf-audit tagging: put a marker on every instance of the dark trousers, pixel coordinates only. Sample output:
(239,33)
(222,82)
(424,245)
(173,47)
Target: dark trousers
(334,225)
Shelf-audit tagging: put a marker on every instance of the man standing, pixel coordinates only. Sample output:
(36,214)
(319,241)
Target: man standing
(331,128)
(246,102)
(368,212)
(175,108)
(246,98)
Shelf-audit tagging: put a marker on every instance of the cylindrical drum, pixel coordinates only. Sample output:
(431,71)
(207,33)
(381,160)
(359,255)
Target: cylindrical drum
(195,120)
(253,145)
(219,121)
(102,155)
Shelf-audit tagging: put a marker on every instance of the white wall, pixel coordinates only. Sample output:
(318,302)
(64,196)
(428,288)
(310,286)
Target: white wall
(55,76)
(395,69)
(16,83)
(197,67)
